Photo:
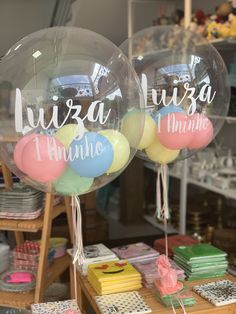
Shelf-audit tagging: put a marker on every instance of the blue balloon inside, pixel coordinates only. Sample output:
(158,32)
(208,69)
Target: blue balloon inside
(165,111)
(91,156)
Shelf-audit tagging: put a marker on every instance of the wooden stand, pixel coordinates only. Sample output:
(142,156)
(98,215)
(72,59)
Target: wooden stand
(45,276)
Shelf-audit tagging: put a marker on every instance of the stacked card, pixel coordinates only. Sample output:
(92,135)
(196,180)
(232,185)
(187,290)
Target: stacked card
(201,261)
(62,307)
(113,277)
(180,298)
(136,252)
(20,202)
(219,293)
(95,253)
(148,270)
(175,240)
(125,303)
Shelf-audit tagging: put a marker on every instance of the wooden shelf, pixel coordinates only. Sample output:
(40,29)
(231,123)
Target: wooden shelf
(25,299)
(29,225)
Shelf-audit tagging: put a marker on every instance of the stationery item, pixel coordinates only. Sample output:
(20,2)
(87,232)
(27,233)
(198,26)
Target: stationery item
(135,252)
(62,307)
(115,276)
(198,252)
(123,303)
(219,293)
(95,253)
(17,281)
(176,240)
(201,261)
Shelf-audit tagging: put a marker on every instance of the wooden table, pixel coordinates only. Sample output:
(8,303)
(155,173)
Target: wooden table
(86,299)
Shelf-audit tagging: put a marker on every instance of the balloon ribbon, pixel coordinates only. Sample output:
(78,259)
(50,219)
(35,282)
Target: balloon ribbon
(78,238)
(162,210)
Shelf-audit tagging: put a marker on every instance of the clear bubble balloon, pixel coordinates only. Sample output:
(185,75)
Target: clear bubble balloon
(69,90)
(186,91)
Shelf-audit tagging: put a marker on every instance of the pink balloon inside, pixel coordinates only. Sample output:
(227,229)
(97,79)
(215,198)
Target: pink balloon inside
(173,131)
(17,155)
(43,159)
(203,131)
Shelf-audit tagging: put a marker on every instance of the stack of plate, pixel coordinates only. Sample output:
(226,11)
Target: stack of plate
(201,261)
(20,202)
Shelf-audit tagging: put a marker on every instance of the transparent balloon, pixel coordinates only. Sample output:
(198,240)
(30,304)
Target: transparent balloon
(64,93)
(186,91)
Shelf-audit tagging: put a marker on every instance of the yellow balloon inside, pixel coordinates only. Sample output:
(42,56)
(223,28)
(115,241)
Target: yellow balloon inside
(149,132)
(160,154)
(121,149)
(132,126)
(67,134)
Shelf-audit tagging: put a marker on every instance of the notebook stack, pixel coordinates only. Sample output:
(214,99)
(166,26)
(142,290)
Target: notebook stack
(93,254)
(114,277)
(175,240)
(201,261)
(136,252)
(149,272)
(20,202)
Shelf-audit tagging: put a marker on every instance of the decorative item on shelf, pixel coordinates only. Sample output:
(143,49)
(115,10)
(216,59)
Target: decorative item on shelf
(26,256)
(20,202)
(58,245)
(62,307)
(17,281)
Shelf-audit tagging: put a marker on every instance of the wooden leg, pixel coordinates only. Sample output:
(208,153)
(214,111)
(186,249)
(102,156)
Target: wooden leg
(19,236)
(6,176)
(46,231)
(67,200)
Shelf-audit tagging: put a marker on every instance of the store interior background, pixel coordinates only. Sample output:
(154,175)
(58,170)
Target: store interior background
(109,18)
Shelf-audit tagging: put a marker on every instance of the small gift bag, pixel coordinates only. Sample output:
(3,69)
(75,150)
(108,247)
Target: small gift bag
(62,307)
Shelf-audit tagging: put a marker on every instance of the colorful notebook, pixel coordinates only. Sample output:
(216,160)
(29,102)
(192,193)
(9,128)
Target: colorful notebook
(219,293)
(198,252)
(115,270)
(136,251)
(122,303)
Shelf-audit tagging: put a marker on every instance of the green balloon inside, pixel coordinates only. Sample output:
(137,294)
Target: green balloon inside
(72,184)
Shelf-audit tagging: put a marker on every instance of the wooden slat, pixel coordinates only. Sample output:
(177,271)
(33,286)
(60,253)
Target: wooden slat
(202,306)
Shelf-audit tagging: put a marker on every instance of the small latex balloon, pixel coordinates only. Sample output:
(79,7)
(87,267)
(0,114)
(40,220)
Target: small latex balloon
(91,156)
(173,131)
(62,82)
(72,184)
(67,133)
(121,149)
(130,126)
(202,131)
(149,132)
(17,155)
(42,159)
(157,153)
(157,115)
